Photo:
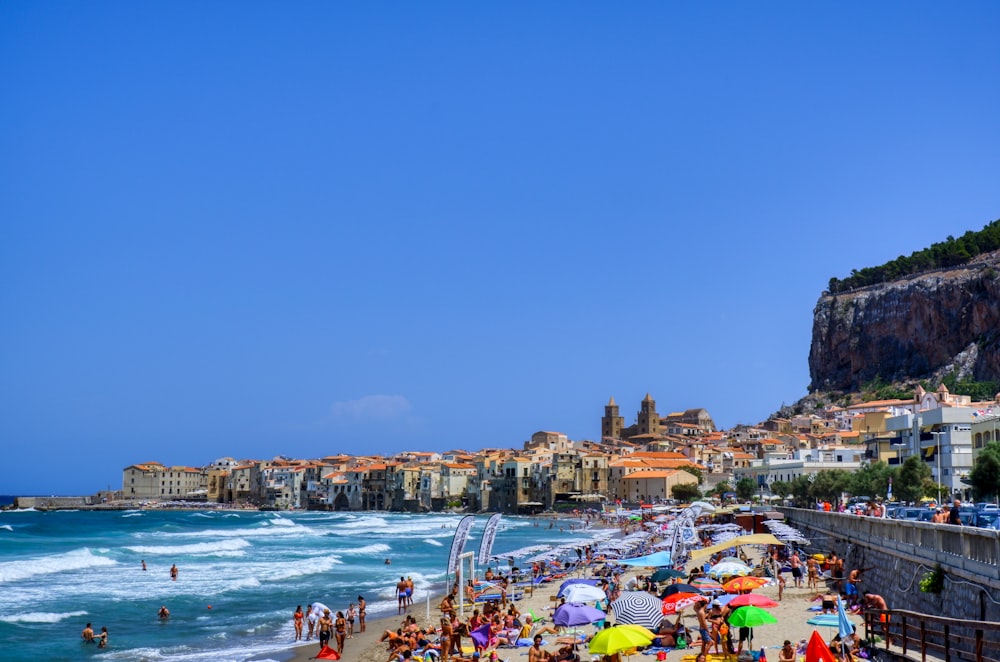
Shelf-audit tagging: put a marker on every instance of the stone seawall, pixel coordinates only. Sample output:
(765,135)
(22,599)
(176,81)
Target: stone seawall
(53,502)
(895,555)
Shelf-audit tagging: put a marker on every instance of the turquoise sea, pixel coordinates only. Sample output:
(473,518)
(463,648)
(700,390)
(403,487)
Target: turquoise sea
(59,570)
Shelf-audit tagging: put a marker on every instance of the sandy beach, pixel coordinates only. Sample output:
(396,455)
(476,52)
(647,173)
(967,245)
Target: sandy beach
(792,613)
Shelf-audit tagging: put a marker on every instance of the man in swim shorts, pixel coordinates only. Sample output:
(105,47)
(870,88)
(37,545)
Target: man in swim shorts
(325,626)
(401,594)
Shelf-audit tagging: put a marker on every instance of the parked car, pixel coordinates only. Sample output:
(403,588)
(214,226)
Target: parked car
(988,519)
(909,514)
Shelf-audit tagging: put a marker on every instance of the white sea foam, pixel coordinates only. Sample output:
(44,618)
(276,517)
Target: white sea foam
(281,521)
(41,617)
(134,515)
(78,559)
(431,541)
(193,548)
(376,548)
(6,526)
(294,530)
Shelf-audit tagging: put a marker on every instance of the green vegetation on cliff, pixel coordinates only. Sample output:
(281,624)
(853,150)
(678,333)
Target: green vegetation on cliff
(949,253)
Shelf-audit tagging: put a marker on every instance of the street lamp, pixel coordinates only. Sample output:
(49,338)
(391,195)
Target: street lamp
(937,455)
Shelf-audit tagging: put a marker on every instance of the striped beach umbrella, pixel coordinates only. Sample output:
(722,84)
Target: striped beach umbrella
(638,608)
(707,584)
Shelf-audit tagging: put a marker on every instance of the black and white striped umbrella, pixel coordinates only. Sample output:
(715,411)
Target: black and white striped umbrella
(638,608)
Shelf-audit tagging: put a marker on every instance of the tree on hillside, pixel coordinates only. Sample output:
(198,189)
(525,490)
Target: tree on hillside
(914,480)
(696,472)
(745,489)
(872,480)
(985,475)
(685,492)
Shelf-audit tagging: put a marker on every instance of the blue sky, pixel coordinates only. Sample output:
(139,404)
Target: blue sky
(261,228)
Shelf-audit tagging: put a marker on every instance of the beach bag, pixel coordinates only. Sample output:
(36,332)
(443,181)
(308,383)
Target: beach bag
(661,655)
(682,642)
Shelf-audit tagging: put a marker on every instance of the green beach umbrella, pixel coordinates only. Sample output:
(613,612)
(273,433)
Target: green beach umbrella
(663,574)
(751,617)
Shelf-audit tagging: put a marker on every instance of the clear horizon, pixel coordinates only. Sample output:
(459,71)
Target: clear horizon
(257,229)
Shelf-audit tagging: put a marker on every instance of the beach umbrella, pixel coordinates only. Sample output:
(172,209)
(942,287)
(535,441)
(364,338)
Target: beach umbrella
(671,605)
(724,599)
(638,628)
(743,584)
(844,625)
(654,560)
(571,614)
(707,584)
(617,639)
(753,599)
(570,582)
(680,588)
(751,617)
(825,620)
(817,650)
(728,568)
(638,608)
(663,574)
(583,593)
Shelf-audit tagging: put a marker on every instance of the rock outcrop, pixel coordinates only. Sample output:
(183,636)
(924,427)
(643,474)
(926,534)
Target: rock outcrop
(943,320)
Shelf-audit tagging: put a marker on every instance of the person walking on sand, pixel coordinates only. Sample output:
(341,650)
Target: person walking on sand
(409,590)
(340,631)
(351,614)
(173,572)
(362,608)
(796,570)
(325,627)
(297,622)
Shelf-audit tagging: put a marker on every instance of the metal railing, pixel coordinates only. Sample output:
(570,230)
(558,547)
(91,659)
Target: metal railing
(943,638)
(969,549)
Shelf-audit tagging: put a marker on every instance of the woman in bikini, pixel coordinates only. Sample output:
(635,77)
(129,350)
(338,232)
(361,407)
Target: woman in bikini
(362,605)
(340,631)
(297,620)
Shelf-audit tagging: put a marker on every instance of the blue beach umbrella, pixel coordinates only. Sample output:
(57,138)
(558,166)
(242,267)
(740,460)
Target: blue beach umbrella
(569,582)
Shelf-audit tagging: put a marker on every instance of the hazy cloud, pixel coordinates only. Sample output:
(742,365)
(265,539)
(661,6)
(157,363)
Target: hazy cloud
(373,407)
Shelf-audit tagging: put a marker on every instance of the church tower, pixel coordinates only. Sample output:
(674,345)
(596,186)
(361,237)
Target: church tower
(648,421)
(612,423)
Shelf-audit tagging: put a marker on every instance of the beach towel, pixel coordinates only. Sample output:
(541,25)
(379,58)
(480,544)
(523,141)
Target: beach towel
(328,654)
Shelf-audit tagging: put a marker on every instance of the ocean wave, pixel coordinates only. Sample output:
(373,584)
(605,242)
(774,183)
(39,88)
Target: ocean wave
(351,526)
(135,515)
(6,526)
(376,548)
(79,559)
(41,617)
(431,541)
(294,530)
(193,548)
(281,521)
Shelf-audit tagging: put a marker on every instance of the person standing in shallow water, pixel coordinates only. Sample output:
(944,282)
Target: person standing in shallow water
(173,572)
(297,622)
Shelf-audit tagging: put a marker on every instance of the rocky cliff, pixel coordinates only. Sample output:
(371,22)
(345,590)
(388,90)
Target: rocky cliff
(936,322)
